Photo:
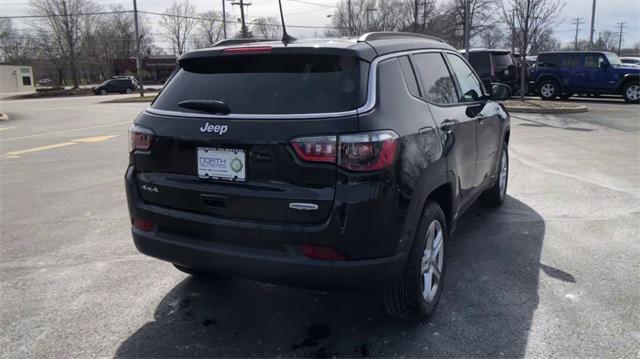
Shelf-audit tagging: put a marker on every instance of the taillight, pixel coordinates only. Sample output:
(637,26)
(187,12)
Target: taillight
(248,50)
(316,149)
(140,138)
(322,253)
(368,151)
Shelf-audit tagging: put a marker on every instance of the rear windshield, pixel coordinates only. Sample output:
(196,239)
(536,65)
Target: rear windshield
(481,61)
(502,59)
(270,83)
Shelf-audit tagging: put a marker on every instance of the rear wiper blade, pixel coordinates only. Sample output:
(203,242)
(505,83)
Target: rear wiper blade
(211,106)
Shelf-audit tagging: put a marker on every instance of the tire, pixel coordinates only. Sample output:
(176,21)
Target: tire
(103,92)
(197,273)
(631,92)
(128,91)
(406,299)
(495,195)
(548,89)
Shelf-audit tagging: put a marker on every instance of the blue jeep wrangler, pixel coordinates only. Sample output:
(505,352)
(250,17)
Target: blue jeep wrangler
(563,74)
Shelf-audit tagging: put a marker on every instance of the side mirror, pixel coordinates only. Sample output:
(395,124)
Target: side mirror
(500,92)
(604,65)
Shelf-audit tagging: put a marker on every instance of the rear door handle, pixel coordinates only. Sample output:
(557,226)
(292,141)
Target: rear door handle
(448,125)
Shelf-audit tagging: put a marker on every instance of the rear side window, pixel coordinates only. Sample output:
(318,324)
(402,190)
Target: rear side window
(409,76)
(503,59)
(550,60)
(481,62)
(571,60)
(470,86)
(435,77)
(270,83)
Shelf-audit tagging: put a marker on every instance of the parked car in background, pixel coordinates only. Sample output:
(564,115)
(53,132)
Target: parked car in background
(132,78)
(563,74)
(115,86)
(329,164)
(495,66)
(45,82)
(627,60)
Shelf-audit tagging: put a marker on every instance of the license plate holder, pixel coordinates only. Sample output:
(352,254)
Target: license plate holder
(221,163)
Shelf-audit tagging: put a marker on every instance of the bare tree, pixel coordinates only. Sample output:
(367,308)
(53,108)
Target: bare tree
(16,47)
(267,28)
(382,15)
(66,26)
(527,19)
(492,38)
(178,22)
(482,18)
(209,29)
(607,41)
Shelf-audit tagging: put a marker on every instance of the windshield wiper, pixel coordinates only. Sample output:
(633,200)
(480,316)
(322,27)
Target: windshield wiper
(211,106)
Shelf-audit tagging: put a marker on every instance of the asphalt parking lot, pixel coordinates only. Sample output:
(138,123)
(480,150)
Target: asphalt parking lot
(553,273)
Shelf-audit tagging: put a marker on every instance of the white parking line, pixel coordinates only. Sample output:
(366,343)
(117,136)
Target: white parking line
(65,131)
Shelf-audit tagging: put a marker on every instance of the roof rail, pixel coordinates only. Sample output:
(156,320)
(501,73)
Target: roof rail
(228,42)
(384,35)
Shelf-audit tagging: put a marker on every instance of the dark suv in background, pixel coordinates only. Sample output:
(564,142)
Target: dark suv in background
(563,74)
(117,85)
(496,66)
(328,164)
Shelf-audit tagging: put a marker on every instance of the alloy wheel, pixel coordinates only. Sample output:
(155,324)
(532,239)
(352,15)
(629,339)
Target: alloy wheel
(432,261)
(547,90)
(504,172)
(633,92)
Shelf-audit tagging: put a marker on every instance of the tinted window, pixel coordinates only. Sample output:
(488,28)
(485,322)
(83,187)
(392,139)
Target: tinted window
(593,60)
(480,61)
(270,83)
(435,77)
(26,81)
(549,60)
(502,60)
(470,87)
(409,76)
(571,60)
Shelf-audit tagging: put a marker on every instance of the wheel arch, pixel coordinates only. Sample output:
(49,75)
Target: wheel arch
(625,80)
(440,189)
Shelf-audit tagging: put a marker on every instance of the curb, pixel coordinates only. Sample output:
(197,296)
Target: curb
(4,116)
(520,109)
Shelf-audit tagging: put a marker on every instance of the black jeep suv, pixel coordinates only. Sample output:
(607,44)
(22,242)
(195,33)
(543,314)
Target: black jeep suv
(329,164)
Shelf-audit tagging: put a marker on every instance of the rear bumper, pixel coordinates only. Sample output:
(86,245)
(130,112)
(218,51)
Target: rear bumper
(265,252)
(288,267)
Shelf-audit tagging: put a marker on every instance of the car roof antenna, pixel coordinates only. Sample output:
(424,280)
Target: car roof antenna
(285,37)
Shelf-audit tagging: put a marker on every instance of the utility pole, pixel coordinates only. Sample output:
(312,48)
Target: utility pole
(242,5)
(351,32)
(467,25)
(622,26)
(224,20)
(593,21)
(415,16)
(513,30)
(578,23)
(138,60)
(369,10)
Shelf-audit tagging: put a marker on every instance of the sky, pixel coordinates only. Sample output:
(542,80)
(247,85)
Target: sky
(314,13)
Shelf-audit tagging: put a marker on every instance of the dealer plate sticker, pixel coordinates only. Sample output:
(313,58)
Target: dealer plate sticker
(221,163)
